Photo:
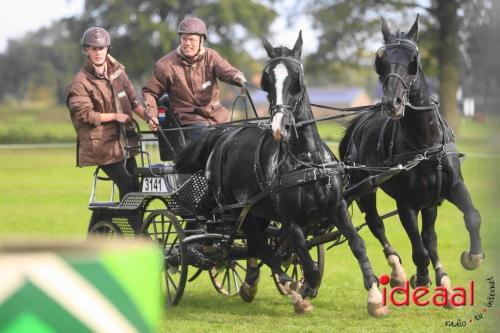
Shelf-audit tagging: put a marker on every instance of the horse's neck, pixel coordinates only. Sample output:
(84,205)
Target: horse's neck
(421,127)
(308,141)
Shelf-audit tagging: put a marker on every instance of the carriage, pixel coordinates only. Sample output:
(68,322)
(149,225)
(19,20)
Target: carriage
(173,209)
(307,188)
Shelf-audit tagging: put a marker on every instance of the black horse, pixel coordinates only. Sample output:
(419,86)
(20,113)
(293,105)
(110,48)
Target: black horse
(299,180)
(410,128)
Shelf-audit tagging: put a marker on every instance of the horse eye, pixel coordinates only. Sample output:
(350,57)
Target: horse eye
(379,65)
(296,88)
(264,82)
(413,67)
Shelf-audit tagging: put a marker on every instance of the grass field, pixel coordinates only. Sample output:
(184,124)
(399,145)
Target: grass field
(34,122)
(43,194)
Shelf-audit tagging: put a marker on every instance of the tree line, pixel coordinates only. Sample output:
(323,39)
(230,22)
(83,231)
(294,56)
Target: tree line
(459,41)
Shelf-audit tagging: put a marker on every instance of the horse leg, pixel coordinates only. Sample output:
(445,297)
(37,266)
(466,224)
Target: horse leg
(420,255)
(308,290)
(248,289)
(429,238)
(368,204)
(459,196)
(258,247)
(357,245)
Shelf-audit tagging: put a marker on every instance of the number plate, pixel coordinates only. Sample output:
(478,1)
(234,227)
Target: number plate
(156,184)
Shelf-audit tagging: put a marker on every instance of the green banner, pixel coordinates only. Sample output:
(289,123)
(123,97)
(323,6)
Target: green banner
(92,286)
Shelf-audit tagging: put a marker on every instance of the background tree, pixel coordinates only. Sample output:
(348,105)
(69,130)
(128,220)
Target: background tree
(145,30)
(349,27)
(142,31)
(482,75)
(44,60)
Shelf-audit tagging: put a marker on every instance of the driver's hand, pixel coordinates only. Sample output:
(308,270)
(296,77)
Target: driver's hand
(153,123)
(240,79)
(122,117)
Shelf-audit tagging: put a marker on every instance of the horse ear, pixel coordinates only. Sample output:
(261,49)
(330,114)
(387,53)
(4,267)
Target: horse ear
(268,47)
(413,33)
(297,48)
(385,31)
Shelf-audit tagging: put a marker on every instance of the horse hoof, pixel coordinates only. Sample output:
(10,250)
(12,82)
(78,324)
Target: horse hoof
(446,283)
(248,292)
(398,281)
(377,310)
(295,286)
(398,274)
(414,283)
(471,261)
(302,307)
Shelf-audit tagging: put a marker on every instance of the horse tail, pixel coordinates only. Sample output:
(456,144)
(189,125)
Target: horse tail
(195,155)
(346,140)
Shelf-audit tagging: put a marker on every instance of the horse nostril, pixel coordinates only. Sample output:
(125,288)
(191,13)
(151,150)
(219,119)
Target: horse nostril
(397,101)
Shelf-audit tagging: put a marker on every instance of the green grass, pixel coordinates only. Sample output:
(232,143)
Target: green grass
(35,123)
(43,194)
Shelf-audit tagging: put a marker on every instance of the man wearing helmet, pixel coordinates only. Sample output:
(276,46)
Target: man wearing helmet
(100,100)
(189,76)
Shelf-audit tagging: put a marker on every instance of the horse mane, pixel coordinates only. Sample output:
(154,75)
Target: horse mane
(195,155)
(348,132)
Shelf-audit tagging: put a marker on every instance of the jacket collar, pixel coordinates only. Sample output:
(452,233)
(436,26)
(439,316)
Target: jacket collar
(114,68)
(191,61)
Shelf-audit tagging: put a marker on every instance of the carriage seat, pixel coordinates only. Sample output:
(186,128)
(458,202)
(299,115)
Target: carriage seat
(158,169)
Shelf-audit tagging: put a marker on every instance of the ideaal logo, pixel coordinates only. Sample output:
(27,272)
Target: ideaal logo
(485,306)
(440,296)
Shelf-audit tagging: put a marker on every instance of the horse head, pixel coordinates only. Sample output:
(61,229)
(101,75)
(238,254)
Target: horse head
(398,65)
(283,80)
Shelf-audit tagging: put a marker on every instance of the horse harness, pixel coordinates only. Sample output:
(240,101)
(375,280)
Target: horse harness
(447,147)
(307,173)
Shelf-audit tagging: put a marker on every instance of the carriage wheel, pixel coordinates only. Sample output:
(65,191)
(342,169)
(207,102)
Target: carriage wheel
(162,227)
(105,229)
(292,266)
(227,279)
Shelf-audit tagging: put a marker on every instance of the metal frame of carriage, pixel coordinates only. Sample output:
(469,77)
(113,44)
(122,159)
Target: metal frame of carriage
(193,232)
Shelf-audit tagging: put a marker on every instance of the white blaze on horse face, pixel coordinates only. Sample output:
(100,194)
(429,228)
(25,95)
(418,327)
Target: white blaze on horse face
(276,125)
(280,73)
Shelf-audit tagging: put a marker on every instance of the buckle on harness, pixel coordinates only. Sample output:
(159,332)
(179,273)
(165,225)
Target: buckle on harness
(263,125)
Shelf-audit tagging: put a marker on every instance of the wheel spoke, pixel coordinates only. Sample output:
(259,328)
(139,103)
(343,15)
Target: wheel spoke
(238,276)
(166,236)
(168,289)
(172,281)
(163,229)
(295,273)
(235,276)
(240,266)
(155,230)
(224,279)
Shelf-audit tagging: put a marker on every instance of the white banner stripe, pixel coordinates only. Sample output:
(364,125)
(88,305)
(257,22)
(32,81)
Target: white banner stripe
(70,290)
(10,281)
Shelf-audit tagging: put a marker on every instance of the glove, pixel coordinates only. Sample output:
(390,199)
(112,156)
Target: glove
(240,79)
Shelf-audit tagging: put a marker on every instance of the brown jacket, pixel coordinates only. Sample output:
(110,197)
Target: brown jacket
(88,96)
(192,86)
